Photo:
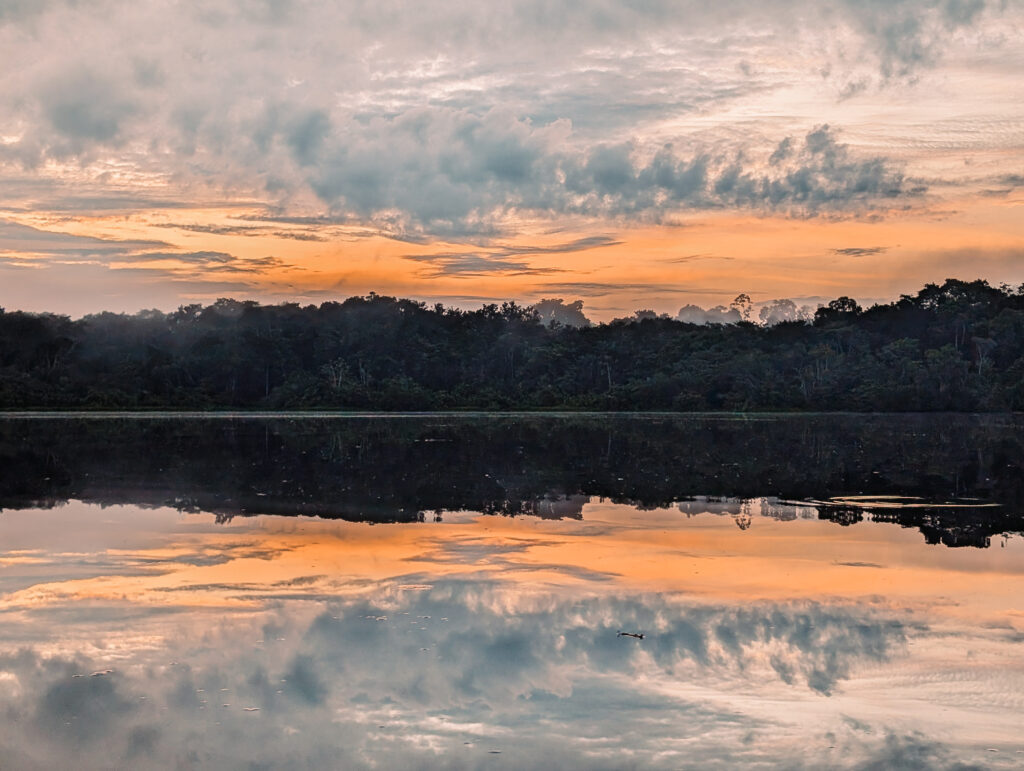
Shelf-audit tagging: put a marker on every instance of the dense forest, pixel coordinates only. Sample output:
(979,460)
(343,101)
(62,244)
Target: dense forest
(958,346)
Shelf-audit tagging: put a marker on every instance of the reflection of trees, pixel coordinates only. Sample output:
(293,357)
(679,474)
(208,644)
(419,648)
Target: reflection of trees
(842,515)
(950,527)
(395,469)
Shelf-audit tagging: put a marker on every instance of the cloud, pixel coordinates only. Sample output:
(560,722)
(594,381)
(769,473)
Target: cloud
(501,260)
(696,258)
(194,258)
(472,265)
(911,751)
(209,263)
(908,36)
(24,240)
(457,170)
(19,10)
(85,107)
(82,274)
(26,246)
(458,119)
(578,245)
(602,288)
(244,230)
(860,251)
(31,190)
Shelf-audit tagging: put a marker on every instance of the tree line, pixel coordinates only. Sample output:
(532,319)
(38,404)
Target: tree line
(958,346)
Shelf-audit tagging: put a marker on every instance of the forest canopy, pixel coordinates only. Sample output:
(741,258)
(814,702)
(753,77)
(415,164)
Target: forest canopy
(957,346)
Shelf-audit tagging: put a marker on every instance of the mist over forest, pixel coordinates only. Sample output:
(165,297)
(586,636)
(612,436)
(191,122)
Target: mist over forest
(958,346)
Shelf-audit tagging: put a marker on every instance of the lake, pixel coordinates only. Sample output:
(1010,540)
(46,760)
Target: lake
(520,591)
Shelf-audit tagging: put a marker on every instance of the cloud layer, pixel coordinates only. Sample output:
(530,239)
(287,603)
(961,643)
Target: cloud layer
(455,119)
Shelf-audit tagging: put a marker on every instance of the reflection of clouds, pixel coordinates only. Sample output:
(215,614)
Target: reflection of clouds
(509,556)
(557,507)
(342,645)
(82,708)
(770,507)
(702,504)
(386,677)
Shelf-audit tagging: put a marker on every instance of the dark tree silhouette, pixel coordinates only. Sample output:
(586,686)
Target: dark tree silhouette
(958,346)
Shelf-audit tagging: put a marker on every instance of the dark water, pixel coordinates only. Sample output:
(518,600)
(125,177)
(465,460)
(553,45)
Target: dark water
(448,592)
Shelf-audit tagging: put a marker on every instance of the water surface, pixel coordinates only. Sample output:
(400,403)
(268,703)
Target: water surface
(448,592)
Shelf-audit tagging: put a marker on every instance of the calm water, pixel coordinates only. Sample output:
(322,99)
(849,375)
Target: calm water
(448,592)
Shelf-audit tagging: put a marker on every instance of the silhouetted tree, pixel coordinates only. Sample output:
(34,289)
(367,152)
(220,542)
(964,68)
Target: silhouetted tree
(954,346)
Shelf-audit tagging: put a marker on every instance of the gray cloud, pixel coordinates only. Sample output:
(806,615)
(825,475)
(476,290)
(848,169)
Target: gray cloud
(470,265)
(244,230)
(27,190)
(860,251)
(577,245)
(195,258)
(16,238)
(907,36)
(23,245)
(255,264)
(83,274)
(600,289)
(426,168)
(696,258)
(501,260)
(211,263)
(85,107)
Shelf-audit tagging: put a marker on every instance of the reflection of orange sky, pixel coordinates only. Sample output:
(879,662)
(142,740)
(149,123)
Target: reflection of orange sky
(615,548)
(707,260)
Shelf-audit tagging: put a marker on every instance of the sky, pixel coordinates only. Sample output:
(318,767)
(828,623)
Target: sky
(628,153)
